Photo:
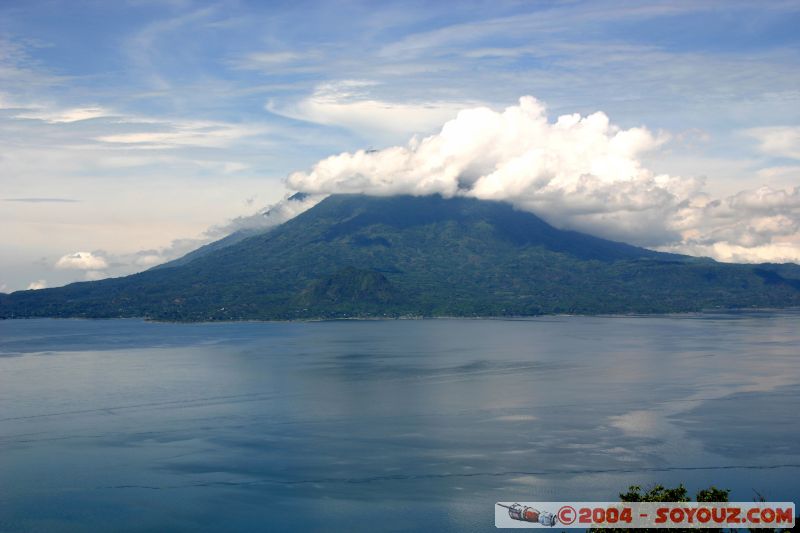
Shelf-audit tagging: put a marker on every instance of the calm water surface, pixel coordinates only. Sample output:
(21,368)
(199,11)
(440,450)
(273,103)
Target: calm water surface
(384,426)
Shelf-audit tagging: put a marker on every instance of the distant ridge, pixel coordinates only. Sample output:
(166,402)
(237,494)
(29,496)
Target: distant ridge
(361,256)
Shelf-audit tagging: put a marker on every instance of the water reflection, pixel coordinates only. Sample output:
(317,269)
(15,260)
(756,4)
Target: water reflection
(399,424)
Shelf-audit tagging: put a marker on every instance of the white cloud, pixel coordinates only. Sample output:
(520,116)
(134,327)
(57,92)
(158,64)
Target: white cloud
(9,102)
(148,260)
(82,261)
(346,104)
(161,134)
(271,60)
(75,114)
(94,275)
(262,220)
(784,252)
(754,225)
(791,172)
(781,141)
(286,209)
(232,167)
(38,284)
(578,172)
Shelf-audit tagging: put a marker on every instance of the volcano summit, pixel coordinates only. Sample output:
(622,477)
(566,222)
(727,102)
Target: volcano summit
(361,256)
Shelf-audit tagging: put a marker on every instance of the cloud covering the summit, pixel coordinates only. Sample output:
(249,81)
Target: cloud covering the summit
(191,114)
(578,172)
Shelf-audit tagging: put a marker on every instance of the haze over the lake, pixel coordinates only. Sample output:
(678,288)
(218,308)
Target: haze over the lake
(133,132)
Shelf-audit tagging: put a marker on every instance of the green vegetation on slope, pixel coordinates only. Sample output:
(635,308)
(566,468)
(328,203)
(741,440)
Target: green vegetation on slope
(358,256)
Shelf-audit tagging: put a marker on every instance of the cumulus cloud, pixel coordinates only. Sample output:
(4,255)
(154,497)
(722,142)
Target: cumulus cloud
(38,284)
(754,225)
(82,261)
(579,172)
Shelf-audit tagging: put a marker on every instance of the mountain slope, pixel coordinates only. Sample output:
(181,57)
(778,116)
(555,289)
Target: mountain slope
(366,256)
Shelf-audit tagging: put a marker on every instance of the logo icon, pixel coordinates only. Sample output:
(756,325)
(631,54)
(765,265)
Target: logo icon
(528,514)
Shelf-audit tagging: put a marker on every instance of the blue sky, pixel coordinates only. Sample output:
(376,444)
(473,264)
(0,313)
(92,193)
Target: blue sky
(154,121)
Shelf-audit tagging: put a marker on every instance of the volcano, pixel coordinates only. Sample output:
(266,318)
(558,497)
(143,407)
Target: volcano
(356,256)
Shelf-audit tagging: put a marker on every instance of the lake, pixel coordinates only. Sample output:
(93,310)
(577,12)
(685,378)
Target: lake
(127,425)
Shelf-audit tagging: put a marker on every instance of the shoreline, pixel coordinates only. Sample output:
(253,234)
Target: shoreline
(510,318)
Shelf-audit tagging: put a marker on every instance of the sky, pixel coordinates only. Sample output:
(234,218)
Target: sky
(132,132)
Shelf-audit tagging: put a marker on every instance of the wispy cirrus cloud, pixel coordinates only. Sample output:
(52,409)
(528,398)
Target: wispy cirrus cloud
(60,116)
(348,105)
(20,71)
(268,61)
(155,134)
